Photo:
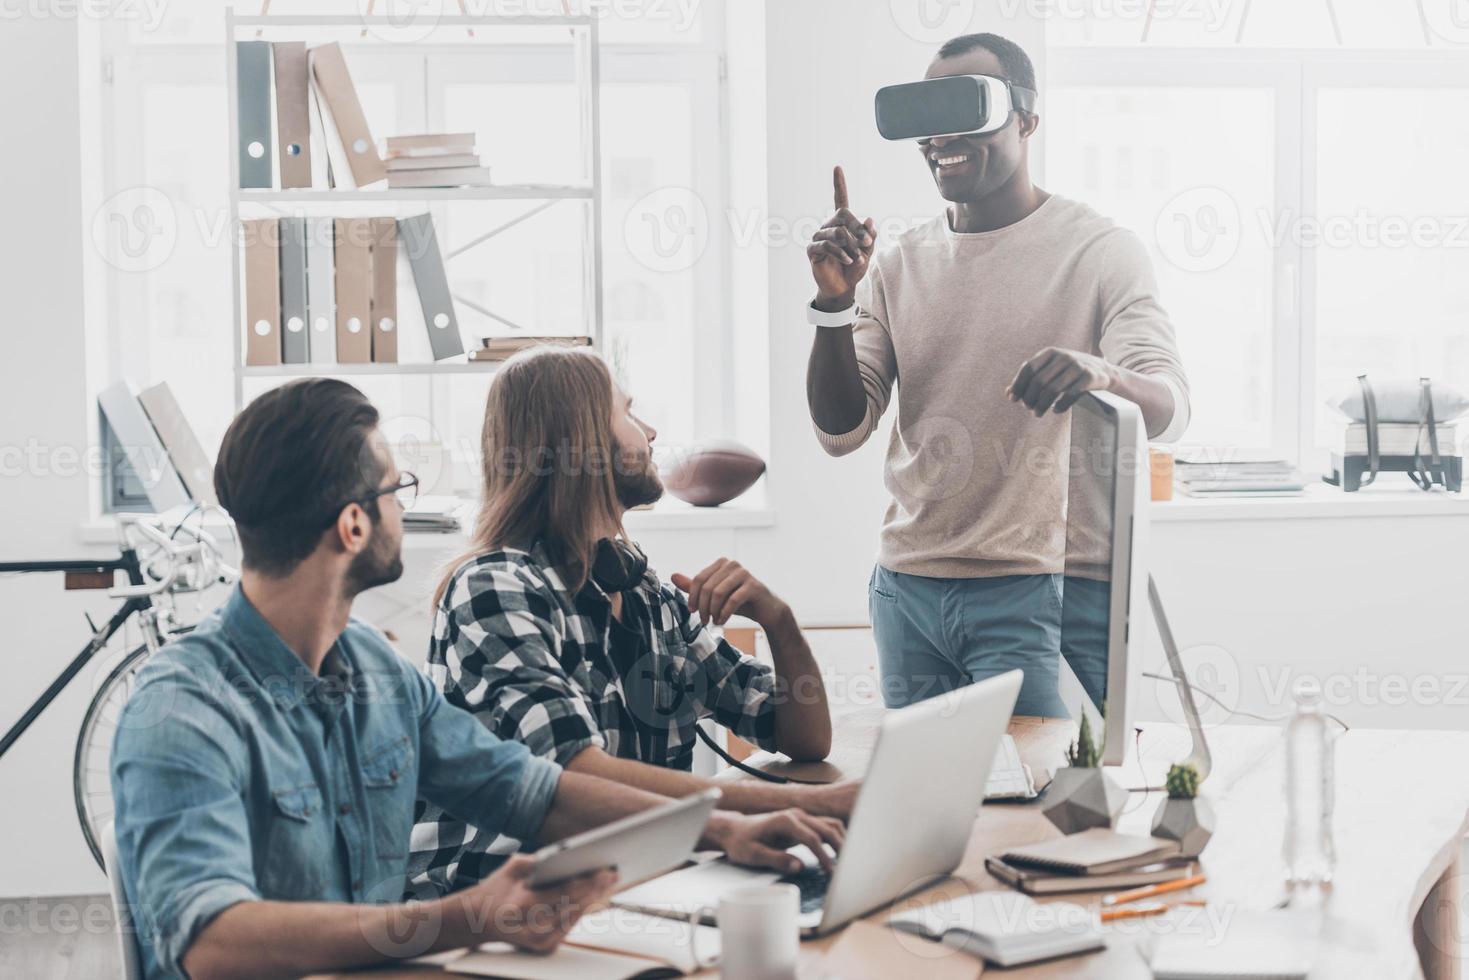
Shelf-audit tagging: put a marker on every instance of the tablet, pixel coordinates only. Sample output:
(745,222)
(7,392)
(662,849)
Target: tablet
(638,846)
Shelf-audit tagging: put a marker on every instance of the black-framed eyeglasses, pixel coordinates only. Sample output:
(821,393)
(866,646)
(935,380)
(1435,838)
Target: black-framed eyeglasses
(405,490)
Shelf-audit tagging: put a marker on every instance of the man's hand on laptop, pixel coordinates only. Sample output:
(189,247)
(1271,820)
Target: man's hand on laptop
(761,840)
(536,919)
(726,588)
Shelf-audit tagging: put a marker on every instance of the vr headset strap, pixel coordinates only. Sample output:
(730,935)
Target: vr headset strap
(1426,477)
(1022,98)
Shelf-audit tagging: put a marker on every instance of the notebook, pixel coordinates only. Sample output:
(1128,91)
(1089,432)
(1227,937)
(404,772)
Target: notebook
(1005,927)
(1276,945)
(1035,882)
(1098,851)
(612,944)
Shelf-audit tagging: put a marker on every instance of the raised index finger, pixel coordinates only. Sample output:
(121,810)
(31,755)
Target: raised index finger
(839,187)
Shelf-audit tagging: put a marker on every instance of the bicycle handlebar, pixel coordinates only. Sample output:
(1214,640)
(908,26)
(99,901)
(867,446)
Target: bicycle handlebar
(203,554)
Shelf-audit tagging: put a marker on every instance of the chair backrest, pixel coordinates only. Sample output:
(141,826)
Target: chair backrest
(127,945)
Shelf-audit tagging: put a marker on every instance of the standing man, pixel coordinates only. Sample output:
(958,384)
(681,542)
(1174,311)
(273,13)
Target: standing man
(997,315)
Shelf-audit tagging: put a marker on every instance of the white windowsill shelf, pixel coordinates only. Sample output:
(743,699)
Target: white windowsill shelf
(669,515)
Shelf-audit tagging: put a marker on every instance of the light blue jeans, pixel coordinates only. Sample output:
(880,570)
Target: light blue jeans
(936,634)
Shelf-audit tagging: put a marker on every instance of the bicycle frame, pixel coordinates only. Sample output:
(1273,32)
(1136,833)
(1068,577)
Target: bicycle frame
(127,563)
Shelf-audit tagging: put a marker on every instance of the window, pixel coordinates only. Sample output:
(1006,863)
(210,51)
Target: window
(1297,245)
(663,140)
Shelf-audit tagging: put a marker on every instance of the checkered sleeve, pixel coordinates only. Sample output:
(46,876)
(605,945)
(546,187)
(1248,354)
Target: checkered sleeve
(497,656)
(737,690)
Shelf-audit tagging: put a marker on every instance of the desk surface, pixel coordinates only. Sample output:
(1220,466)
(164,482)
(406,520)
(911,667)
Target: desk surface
(1402,810)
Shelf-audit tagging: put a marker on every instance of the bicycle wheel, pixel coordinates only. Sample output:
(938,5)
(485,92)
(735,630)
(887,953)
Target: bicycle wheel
(91,766)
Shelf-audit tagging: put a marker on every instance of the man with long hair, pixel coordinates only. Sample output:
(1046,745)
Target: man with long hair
(553,631)
(266,765)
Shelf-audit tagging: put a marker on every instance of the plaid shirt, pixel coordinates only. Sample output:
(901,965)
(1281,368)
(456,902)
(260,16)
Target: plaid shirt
(534,663)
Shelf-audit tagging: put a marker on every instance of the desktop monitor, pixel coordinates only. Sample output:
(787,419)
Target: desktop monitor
(1104,596)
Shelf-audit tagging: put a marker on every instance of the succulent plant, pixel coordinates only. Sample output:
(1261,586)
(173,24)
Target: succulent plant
(1084,753)
(1183,782)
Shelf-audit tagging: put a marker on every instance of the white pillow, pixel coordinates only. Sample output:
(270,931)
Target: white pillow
(1401,400)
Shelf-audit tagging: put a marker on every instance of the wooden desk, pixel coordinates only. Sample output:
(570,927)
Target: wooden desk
(1402,810)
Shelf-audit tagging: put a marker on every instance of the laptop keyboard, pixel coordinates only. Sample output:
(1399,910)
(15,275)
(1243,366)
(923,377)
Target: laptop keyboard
(813,883)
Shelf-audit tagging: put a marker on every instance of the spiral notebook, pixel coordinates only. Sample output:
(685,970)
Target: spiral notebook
(1098,851)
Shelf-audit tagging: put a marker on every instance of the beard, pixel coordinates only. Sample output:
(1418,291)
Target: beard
(380,563)
(635,479)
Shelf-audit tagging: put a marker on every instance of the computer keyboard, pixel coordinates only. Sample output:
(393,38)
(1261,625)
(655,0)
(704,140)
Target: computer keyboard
(813,883)
(1009,778)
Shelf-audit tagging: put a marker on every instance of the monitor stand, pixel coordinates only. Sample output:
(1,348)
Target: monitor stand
(1199,758)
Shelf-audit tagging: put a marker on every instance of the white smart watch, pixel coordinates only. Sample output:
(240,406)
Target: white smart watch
(841,318)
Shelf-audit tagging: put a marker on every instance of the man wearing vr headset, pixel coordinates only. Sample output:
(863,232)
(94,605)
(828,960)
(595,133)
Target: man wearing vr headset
(997,315)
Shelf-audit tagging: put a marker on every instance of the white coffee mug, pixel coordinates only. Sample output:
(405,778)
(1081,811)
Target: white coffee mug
(759,935)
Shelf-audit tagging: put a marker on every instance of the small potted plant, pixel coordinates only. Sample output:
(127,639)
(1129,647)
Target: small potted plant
(1184,817)
(1082,796)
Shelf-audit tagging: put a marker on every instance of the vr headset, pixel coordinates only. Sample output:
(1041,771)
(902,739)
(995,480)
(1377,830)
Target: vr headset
(953,105)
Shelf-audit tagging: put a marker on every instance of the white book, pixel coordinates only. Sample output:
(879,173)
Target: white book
(144,450)
(1005,927)
(441,177)
(321,304)
(399,164)
(1399,439)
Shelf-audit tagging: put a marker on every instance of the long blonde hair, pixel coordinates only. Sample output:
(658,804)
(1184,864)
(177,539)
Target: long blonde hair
(548,454)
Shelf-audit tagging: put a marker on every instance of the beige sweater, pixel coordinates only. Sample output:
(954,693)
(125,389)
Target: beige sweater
(978,483)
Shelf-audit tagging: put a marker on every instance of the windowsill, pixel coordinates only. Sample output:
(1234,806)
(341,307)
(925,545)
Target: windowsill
(668,515)
(1320,501)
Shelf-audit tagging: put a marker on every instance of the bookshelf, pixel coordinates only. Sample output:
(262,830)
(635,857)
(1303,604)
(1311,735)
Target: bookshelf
(352,30)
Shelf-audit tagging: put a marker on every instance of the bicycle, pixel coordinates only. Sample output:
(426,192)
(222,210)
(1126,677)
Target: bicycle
(159,565)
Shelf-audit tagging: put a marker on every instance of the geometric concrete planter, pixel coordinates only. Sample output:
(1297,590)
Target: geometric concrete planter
(1190,822)
(1080,799)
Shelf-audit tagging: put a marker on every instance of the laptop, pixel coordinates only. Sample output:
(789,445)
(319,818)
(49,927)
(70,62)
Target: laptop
(909,828)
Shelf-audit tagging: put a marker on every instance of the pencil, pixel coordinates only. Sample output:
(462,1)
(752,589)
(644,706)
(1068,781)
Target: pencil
(1136,894)
(1135,911)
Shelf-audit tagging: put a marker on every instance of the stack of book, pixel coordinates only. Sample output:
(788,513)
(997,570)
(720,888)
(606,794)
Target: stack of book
(500,348)
(434,513)
(1398,439)
(1092,860)
(434,160)
(1261,478)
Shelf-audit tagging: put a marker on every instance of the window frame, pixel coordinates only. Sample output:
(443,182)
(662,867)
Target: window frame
(1297,76)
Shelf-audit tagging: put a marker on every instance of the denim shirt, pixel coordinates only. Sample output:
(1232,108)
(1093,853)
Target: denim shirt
(238,775)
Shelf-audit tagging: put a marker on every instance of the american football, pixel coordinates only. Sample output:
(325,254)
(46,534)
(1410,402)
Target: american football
(711,473)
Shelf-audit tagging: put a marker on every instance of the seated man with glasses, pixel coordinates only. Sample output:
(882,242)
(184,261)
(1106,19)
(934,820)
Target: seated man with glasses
(555,633)
(265,768)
